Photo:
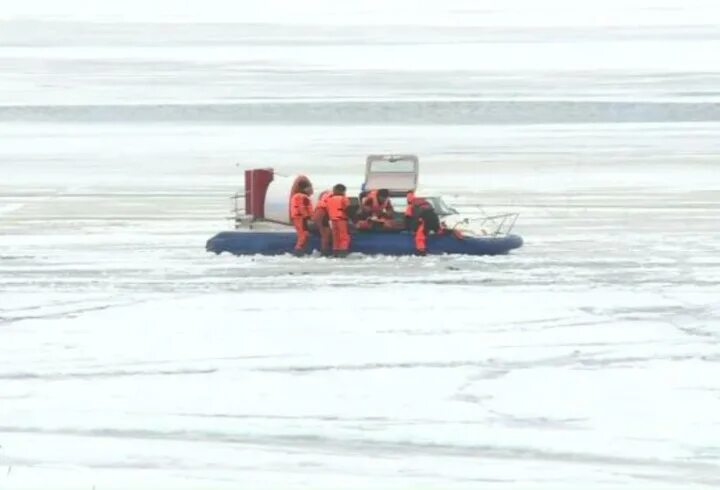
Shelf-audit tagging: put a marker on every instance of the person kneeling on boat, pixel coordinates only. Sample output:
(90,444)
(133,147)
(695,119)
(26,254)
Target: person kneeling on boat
(376,211)
(376,204)
(300,213)
(322,222)
(420,219)
(337,207)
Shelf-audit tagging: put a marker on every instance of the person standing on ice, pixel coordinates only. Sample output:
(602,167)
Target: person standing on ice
(337,207)
(322,222)
(300,212)
(420,219)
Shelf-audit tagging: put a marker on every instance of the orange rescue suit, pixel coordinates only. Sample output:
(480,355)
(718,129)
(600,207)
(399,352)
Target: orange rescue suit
(337,211)
(322,221)
(300,212)
(373,206)
(414,211)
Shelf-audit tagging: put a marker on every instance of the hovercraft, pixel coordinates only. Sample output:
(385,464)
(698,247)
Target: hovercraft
(263,225)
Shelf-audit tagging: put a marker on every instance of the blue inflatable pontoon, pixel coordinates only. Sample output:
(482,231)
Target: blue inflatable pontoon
(399,243)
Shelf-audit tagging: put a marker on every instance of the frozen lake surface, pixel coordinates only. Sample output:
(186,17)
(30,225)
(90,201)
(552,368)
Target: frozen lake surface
(129,357)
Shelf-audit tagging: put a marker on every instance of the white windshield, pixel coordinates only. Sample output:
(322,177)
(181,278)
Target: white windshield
(397,173)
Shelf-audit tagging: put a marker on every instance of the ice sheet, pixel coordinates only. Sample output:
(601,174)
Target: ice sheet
(129,357)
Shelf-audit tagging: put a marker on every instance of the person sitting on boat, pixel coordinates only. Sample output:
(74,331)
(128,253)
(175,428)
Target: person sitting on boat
(377,204)
(376,210)
(300,213)
(421,219)
(322,222)
(337,206)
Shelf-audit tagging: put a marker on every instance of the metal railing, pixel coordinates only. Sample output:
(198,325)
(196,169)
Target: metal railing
(239,215)
(488,225)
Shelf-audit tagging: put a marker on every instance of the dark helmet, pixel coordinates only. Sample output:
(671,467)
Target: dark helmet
(339,189)
(383,194)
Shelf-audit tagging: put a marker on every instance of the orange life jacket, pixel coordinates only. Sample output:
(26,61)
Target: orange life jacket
(337,207)
(416,203)
(300,206)
(323,199)
(372,203)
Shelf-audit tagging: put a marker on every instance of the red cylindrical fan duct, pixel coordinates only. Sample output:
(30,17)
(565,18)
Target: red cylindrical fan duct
(257,181)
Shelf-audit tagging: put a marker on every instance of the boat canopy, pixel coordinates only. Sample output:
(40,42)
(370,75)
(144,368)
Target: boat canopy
(396,173)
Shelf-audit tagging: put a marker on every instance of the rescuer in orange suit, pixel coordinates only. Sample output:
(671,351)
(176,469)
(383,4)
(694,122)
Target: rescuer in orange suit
(322,222)
(300,212)
(337,206)
(376,204)
(421,219)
